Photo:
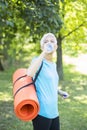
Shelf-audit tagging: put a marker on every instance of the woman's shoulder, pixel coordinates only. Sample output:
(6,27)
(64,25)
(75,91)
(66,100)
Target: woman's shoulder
(34,58)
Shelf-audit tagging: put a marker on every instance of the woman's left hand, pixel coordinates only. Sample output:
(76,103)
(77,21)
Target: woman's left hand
(63,94)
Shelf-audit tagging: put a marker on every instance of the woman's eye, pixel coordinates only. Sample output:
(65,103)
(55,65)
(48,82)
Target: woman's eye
(45,41)
(52,41)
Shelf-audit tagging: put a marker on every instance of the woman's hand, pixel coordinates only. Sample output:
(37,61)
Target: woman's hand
(63,94)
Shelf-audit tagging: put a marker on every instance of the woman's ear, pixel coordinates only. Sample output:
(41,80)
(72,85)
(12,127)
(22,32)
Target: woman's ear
(56,46)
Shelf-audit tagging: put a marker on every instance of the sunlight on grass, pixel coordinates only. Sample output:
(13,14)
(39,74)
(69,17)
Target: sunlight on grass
(5,90)
(5,96)
(80,63)
(81,98)
(80,88)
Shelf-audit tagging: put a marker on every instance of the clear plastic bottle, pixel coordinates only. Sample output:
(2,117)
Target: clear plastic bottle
(50,47)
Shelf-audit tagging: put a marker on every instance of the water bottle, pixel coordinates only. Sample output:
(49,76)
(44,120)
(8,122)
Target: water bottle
(50,47)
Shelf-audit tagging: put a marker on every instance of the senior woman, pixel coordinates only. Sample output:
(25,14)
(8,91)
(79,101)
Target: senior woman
(46,85)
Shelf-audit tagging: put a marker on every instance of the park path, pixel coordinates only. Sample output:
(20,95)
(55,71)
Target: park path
(79,62)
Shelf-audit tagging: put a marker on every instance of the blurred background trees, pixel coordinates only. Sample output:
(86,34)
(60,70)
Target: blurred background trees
(23,22)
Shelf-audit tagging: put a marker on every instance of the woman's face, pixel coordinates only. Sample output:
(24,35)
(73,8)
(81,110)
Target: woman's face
(49,39)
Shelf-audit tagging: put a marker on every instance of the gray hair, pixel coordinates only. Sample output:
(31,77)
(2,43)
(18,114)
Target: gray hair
(46,35)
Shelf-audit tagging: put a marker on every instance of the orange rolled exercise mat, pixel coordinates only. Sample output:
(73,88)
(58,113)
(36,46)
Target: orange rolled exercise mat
(26,105)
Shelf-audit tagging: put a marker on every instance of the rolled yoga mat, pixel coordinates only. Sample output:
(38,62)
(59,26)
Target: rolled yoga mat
(26,105)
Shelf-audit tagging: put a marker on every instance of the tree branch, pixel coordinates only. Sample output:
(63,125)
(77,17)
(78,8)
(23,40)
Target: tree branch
(73,31)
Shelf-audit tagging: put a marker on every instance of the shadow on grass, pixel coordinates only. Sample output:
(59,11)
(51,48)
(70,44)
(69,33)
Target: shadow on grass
(8,120)
(73,111)
(73,80)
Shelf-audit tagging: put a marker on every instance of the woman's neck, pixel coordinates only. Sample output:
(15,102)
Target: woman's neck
(49,57)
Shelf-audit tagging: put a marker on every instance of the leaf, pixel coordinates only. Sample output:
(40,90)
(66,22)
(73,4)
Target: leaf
(10,23)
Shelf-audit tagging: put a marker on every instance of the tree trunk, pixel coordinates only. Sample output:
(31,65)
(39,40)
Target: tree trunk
(1,66)
(59,58)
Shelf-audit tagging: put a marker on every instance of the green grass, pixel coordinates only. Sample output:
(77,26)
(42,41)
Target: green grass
(73,111)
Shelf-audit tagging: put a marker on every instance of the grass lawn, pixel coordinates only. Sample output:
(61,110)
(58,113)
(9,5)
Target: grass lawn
(73,111)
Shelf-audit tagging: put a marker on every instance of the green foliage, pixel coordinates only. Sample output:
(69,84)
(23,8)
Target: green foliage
(75,21)
(74,29)
(23,22)
(42,16)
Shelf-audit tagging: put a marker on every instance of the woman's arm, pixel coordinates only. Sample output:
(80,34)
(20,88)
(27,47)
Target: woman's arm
(35,65)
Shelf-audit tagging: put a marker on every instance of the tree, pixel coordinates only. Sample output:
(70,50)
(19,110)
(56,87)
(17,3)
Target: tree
(36,17)
(73,14)
(7,29)
(47,17)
